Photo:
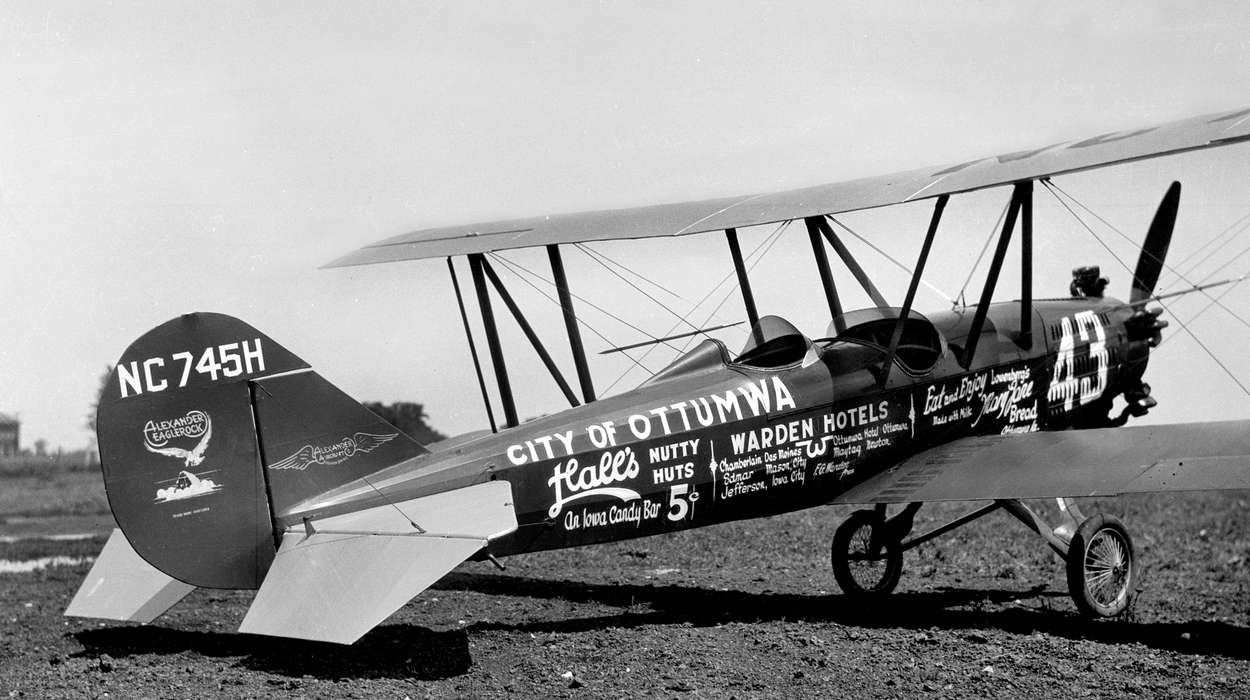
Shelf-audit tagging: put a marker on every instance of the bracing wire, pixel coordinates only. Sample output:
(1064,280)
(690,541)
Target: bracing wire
(730,276)
(1207,350)
(1057,189)
(767,246)
(1184,326)
(389,502)
(902,266)
(582,299)
(1053,188)
(1228,262)
(517,269)
(984,247)
(585,248)
(680,319)
(1204,309)
(1232,229)
(772,237)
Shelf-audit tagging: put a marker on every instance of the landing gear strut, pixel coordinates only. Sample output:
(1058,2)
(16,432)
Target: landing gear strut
(867,552)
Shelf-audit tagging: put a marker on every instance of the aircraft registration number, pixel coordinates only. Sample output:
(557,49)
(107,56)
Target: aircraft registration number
(216,362)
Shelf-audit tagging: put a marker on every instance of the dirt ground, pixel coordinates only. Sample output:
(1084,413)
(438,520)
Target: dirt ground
(743,610)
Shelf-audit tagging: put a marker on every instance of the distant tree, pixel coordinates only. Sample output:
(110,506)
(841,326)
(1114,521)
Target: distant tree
(408,417)
(95,405)
(41,448)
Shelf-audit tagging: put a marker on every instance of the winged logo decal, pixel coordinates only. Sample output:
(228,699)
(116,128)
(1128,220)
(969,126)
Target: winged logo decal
(336,453)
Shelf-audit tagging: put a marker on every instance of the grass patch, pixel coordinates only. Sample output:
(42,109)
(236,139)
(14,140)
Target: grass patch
(70,492)
(63,463)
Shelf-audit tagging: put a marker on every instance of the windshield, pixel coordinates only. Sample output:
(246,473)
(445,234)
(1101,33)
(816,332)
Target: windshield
(920,345)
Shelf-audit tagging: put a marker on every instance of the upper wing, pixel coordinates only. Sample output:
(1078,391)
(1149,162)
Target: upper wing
(1103,462)
(735,212)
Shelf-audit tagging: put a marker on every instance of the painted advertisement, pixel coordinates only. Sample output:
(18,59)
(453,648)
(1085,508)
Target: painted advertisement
(709,459)
(998,400)
(753,451)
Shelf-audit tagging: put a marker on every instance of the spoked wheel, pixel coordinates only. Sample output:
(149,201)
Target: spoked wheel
(1102,570)
(867,561)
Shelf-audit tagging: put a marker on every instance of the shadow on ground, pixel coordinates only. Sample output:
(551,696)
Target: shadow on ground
(413,652)
(393,651)
(1017,612)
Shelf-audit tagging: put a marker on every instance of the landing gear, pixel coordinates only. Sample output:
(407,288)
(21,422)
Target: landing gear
(867,552)
(1102,569)
(867,559)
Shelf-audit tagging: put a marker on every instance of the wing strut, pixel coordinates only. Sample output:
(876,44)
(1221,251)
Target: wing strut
(476,262)
(528,330)
(744,283)
(852,264)
(570,322)
(1022,193)
(468,333)
(1026,268)
(826,277)
(897,336)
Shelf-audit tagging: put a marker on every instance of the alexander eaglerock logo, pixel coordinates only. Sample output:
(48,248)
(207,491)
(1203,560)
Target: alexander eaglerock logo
(336,453)
(195,425)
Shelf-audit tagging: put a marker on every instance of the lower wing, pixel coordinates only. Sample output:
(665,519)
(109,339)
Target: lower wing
(1070,463)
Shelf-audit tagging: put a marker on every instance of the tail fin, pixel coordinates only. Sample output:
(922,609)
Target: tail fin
(193,413)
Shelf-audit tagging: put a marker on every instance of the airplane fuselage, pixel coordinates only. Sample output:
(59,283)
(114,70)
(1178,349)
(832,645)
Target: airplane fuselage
(709,440)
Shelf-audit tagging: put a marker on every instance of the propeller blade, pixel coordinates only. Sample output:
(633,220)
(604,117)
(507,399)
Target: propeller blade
(1155,249)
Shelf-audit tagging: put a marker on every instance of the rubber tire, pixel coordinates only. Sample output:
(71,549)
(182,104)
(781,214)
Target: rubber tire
(840,561)
(1077,551)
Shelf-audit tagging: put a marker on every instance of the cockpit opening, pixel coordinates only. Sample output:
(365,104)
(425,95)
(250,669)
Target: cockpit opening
(774,342)
(920,346)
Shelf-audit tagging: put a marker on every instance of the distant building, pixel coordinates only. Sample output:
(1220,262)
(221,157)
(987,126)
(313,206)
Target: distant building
(10,435)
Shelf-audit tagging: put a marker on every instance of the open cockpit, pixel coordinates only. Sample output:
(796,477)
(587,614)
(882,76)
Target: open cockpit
(920,344)
(855,340)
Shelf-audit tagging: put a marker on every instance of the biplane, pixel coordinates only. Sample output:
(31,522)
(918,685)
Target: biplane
(230,463)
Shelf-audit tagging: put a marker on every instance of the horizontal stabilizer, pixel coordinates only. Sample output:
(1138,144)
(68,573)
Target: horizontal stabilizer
(1069,463)
(335,588)
(122,586)
(355,570)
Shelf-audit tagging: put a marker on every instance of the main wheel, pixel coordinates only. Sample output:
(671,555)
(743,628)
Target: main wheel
(1102,571)
(866,560)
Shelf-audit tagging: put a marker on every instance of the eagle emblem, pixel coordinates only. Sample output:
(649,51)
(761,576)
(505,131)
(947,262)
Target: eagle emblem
(196,424)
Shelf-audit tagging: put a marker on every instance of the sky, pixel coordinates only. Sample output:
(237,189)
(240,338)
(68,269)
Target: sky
(158,158)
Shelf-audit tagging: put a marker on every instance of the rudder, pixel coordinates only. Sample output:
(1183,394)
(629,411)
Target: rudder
(192,413)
